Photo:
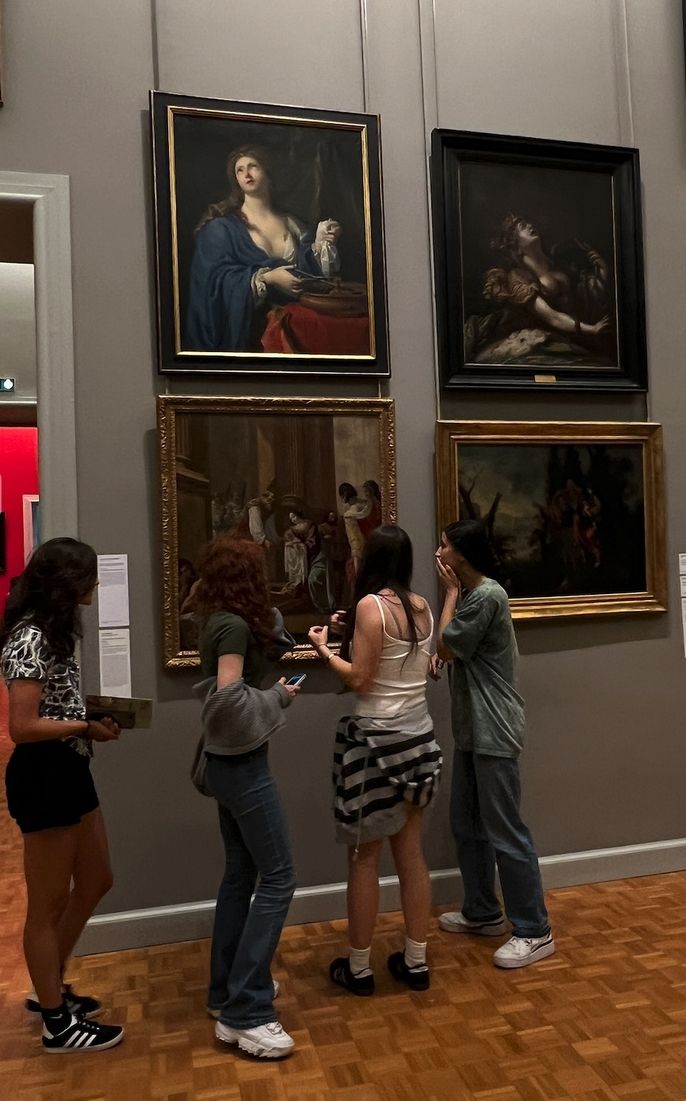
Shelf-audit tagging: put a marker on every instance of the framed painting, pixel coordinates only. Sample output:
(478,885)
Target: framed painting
(538,258)
(574,511)
(306,478)
(31,517)
(270,246)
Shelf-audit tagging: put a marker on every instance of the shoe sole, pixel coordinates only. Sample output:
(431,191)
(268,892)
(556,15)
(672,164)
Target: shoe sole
(352,990)
(424,985)
(84,1050)
(478,931)
(541,954)
(258,1051)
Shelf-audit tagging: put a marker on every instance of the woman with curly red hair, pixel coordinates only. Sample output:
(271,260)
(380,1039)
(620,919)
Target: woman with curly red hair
(240,635)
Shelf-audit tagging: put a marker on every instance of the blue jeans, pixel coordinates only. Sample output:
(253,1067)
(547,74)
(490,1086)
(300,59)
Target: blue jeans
(488,829)
(246,934)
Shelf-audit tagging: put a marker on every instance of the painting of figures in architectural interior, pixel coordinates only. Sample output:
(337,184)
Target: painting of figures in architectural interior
(306,479)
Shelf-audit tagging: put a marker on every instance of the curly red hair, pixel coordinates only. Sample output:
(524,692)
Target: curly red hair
(233,579)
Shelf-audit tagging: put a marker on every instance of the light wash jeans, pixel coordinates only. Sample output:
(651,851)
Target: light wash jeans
(488,830)
(258,851)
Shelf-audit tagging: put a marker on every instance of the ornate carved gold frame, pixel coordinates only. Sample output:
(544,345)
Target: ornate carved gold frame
(168,409)
(449,436)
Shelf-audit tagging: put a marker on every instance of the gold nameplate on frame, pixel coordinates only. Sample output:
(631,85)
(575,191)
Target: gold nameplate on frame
(545,378)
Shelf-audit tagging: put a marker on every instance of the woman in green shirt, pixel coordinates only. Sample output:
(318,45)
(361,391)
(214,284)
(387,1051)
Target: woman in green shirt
(477,638)
(237,644)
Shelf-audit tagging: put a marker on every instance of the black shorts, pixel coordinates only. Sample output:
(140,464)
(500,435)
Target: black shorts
(48,785)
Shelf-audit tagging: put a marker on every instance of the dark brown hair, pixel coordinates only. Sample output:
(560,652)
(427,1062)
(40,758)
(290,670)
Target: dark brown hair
(234,200)
(57,576)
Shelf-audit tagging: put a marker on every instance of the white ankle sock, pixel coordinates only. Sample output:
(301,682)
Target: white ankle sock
(359,962)
(415,953)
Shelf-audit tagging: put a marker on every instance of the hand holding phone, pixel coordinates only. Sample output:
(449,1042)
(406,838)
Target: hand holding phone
(292,684)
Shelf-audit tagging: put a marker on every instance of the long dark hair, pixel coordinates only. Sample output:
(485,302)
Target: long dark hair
(470,539)
(57,576)
(386,564)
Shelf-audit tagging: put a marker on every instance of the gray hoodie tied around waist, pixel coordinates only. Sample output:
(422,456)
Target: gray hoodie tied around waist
(235,719)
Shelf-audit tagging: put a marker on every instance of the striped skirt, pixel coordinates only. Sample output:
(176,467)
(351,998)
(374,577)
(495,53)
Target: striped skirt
(377,775)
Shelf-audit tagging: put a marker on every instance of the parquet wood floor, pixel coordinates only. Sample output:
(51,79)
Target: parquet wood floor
(602,1020)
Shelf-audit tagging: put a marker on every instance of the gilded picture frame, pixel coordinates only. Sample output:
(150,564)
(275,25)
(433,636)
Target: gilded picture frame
(574,510)
(269,239)
(307,478)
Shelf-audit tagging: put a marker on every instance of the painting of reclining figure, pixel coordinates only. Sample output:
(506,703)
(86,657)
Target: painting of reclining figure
(539,263)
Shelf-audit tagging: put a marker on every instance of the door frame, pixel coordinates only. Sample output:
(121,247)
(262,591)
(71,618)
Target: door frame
(56,417)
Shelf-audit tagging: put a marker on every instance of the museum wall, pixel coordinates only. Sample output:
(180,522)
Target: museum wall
(605,749)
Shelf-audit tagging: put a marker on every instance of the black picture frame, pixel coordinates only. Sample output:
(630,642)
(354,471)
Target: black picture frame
(496,324)
(219,310)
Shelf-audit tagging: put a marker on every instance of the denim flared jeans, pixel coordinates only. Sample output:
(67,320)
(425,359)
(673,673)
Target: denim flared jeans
(258,859)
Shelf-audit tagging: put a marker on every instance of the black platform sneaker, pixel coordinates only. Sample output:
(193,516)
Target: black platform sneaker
(417,978)
(81,1005)
(340,973)
(80,1035)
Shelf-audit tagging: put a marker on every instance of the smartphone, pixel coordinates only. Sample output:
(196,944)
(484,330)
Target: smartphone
(296,680)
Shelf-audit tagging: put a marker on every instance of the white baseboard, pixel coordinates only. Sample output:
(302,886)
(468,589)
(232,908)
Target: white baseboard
(193,920)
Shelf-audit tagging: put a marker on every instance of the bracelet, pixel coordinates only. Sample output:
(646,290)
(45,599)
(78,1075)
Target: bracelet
(327,657)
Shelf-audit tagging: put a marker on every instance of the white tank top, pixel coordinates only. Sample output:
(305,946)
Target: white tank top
(400,680)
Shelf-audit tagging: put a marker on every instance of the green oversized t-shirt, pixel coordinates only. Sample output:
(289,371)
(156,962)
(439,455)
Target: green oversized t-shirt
(487,711)
(225,633)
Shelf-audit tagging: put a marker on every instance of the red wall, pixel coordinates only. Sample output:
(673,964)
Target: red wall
(19,474)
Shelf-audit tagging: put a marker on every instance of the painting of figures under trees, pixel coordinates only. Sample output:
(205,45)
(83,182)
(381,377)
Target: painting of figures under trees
(574,511)
(563,519)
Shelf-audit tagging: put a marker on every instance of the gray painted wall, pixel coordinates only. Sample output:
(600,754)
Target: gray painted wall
(605,754)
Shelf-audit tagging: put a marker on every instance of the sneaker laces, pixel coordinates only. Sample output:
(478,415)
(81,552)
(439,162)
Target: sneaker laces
(87,1026)
(525,944)
(275,1027)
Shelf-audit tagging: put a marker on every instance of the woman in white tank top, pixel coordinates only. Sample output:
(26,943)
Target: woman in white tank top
(386,760)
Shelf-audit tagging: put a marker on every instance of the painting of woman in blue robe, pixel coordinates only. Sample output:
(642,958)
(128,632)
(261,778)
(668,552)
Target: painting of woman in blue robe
(250,254)
(269,233)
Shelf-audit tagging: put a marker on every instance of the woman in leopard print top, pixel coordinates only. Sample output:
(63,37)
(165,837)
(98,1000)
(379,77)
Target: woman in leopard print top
(50,791)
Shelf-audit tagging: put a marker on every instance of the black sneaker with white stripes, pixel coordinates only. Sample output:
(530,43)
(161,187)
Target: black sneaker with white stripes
(80,1035)
(81,1005)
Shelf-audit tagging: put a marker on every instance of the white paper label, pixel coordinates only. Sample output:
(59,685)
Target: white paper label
(113,590)
(115,662)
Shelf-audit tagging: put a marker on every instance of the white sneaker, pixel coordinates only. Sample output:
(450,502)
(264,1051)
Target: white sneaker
(216,1013)
(456,922)
(268,1041)
(521,951)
